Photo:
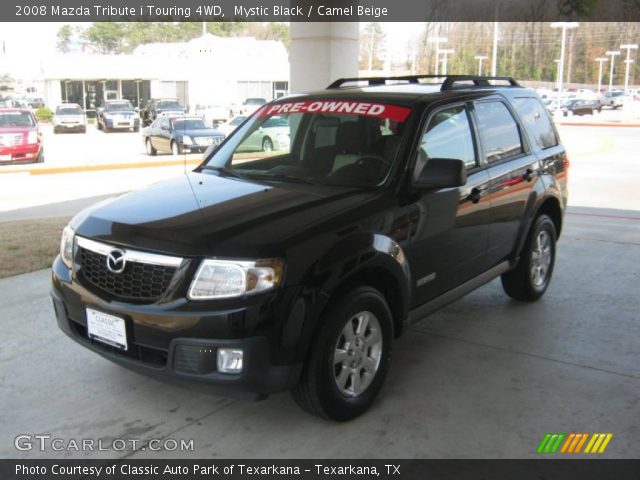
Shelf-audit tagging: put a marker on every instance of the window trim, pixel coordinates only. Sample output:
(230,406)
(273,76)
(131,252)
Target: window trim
(534,144)
(524,141)
(423,130)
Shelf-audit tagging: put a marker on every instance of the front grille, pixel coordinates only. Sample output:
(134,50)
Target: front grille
(138,282)
(10,139)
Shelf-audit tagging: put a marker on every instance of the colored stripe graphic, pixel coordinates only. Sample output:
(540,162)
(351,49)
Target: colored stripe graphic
(573,443)
(550,442)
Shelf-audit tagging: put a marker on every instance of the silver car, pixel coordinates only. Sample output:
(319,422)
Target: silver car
(69,117)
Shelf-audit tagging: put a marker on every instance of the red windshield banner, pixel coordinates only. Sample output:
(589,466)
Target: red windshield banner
(380,110)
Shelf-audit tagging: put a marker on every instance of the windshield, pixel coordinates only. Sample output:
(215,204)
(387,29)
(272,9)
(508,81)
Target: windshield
(118,107)
(69,111)
(16,119)
(255,101)
(188,124)
(169,104)
(330,142)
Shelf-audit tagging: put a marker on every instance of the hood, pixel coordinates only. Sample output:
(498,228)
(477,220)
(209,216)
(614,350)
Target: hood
(205,214)
(10,130)
(120,112)
(200,132)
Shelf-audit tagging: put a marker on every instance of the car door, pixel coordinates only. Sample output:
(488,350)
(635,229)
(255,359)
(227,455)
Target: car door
(155,134)
(449,226)
(165,135)
(513,172)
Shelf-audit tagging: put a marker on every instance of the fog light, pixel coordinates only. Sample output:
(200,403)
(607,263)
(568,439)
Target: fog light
(229,360)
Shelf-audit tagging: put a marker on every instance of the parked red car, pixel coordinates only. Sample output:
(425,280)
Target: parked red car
(20,138)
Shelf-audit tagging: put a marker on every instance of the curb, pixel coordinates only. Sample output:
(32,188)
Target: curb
(97,168)
(617,125)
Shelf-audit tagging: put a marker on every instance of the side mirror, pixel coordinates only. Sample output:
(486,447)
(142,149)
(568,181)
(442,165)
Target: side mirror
(442,173)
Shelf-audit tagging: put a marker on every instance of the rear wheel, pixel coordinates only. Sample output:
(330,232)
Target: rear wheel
(530,279)
(350,357)
(149,147)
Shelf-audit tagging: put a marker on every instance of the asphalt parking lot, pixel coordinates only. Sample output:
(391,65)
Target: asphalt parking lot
(484,377)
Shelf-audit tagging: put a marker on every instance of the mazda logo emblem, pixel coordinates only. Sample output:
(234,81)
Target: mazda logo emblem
(116,261)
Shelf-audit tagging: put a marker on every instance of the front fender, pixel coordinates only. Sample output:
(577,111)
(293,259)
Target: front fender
(369,258)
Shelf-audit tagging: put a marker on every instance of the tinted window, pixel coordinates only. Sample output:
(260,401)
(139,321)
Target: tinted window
(498,131)
(537,122)
(448,135)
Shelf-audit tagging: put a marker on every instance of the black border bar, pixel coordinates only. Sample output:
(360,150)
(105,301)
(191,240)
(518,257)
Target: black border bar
(319,10)
(547,469)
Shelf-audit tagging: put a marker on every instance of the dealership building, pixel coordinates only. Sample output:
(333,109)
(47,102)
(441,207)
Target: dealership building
(208,70)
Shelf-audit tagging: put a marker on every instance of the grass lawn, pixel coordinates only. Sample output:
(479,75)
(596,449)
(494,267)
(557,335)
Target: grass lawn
(28,245)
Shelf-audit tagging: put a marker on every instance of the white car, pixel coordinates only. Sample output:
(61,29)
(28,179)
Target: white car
(69,117)
(250,105)
(214,114)
(231,124)
(614,99)
(274,134)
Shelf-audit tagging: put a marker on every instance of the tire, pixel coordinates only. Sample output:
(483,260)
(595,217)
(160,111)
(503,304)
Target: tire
(150,150)
(55,130)
(176,148)
(530,279)
(40,158)
(98,125)
(84,130)
(136,129)
(267,144)
(328,387)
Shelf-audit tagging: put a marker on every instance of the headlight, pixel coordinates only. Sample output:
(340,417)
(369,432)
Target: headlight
(32,137)
(66,246)
(186,140)
(228,278)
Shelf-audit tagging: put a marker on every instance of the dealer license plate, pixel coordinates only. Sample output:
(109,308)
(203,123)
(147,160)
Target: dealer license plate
(106,328)
(4,158)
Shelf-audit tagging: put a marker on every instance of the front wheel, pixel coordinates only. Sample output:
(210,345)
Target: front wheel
(150,150)
(176,148)
(267,145)
(349,358)
(530,279)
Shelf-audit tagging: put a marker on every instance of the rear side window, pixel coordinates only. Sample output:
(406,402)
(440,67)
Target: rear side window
(448,135)
(537,122)
(498,130)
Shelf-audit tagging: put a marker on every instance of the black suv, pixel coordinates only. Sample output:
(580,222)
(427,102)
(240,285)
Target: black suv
(295,268)
(157,107)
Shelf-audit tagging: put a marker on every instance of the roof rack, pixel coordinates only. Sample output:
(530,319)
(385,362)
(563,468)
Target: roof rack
(448,82)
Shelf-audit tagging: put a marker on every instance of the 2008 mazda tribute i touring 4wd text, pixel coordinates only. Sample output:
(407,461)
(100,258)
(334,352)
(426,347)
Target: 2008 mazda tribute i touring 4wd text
(294,267)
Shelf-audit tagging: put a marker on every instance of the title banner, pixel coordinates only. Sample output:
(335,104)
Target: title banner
(318,10)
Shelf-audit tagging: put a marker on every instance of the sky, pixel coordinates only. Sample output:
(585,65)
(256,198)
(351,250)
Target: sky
(27,43)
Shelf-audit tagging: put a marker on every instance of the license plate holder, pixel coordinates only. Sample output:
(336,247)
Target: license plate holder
(107,329)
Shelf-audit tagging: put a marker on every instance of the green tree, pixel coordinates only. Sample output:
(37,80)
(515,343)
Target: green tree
(107,37)
(64,37)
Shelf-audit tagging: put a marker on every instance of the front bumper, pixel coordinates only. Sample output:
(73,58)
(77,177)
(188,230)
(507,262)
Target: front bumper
(75,126)
(175,343)
(115,123)
(20,153)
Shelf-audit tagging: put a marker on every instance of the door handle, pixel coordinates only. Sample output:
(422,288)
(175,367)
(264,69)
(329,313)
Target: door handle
(475,194)
(529,174)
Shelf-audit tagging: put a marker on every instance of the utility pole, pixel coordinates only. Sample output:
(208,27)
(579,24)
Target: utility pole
(437,41)
(600,60)
(494,54)
(446,53)
(612,54)
(480,58)
(628,47)
(564,26)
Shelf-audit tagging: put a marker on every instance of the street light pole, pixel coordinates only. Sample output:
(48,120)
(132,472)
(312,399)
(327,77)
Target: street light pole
(480,58)
(612,54)
(600,61)
(628,47)
(446,54)
(437,41)
(565,26)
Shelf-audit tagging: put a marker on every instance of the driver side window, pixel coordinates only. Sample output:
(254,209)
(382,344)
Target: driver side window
(448,135)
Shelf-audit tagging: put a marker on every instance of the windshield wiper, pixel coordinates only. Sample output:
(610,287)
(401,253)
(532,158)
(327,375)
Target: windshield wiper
(225,170)
(284,176)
